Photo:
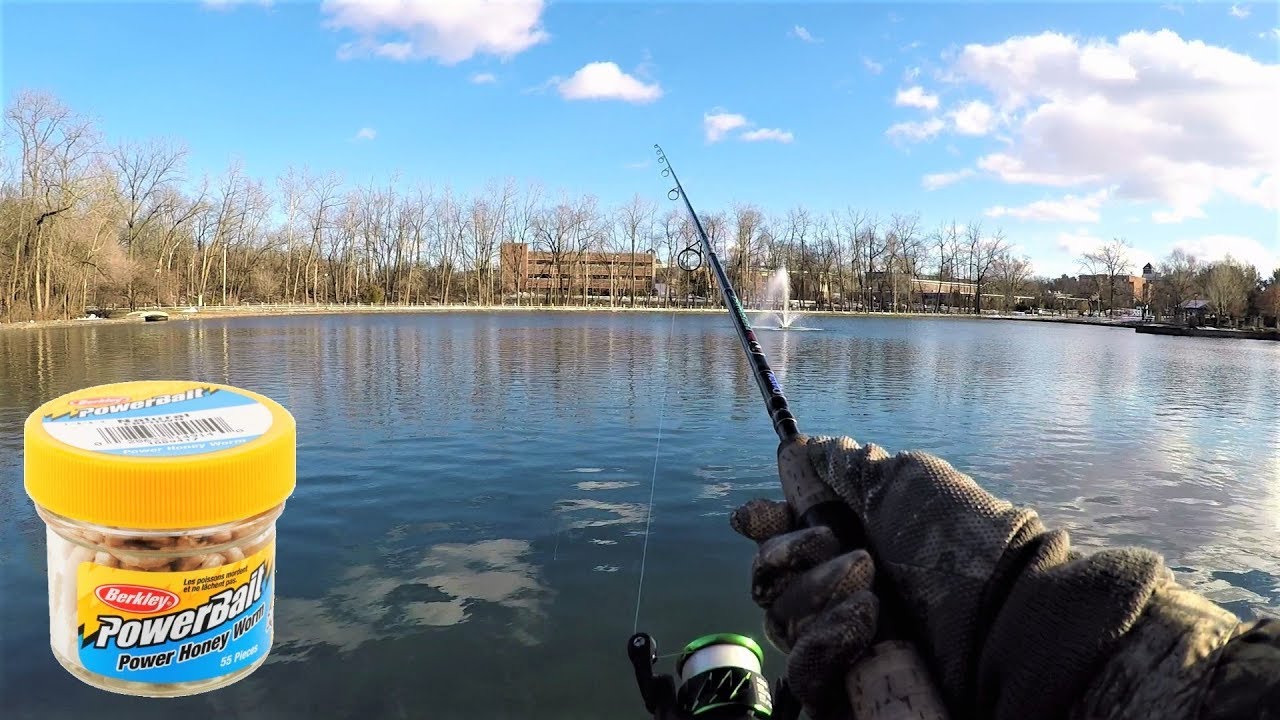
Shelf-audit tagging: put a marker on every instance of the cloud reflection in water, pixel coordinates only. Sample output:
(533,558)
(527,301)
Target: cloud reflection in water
(361,607)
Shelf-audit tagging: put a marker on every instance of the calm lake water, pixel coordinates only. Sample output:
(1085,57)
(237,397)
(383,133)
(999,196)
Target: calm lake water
(465,539)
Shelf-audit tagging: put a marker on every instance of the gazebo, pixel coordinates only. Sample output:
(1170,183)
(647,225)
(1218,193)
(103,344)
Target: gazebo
(1195,311)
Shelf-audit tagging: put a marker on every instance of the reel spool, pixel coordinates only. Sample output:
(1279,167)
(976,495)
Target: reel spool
(718,677)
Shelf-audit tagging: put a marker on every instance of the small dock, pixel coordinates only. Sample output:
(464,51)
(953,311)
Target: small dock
(1208,332)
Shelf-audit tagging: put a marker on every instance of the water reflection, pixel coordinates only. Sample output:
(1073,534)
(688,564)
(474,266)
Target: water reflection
(365,604)
(474,489)
(624,513)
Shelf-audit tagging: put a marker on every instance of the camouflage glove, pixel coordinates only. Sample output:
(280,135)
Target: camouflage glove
(1013,622)
(817,601)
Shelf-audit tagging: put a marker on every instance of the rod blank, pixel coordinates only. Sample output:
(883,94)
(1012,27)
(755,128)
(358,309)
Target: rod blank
(784,422)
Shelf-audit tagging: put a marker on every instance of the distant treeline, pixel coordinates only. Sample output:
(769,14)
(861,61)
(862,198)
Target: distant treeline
(85,224)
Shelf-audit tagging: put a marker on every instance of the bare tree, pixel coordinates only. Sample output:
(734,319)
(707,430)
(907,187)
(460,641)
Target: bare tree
(903,248)
(946,244)
(1106,265)
(851,232)
(58,152)
(143,171)
(1177,281)
(1226,286)
(1010,275)
(634,227)
(982,251)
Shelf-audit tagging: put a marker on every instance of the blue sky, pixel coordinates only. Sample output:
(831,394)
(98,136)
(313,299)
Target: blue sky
(1062,140)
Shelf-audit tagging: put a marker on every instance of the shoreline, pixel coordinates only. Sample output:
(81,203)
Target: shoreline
(251,311)
(221,313)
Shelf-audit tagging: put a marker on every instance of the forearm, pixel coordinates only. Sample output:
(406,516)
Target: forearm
(1188,659)
(1014,622)
(1019,625)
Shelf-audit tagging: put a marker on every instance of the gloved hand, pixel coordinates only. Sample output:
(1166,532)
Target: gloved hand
(817,599)
(1013,623)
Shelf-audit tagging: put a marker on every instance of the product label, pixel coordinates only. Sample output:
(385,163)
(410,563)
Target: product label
(170,627)
(198,420)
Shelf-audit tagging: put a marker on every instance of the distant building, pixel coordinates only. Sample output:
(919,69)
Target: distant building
(929,288)
(535,272)
(934,288)
(1129,288)
(1195,312)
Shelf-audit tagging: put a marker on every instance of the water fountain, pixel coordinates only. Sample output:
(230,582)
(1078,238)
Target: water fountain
(777,300)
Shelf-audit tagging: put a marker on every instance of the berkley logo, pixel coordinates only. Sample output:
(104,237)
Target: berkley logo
(136,599)
(97,401)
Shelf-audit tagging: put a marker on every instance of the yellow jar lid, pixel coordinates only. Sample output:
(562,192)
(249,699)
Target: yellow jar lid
(160,455)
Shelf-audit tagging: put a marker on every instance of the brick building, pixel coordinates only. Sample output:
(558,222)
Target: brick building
(532,272)
(1129,288)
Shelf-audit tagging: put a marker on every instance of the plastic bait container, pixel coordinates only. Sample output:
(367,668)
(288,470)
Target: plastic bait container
(160,500)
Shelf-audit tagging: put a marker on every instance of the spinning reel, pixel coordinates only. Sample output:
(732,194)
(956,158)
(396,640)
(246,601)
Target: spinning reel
(719,678)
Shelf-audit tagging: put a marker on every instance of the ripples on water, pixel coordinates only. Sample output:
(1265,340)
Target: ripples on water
(466,535)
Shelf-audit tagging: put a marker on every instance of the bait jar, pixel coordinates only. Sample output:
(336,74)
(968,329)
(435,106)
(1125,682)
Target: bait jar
(160,501)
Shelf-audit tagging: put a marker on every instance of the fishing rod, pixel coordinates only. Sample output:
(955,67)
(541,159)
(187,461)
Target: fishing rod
(721,675)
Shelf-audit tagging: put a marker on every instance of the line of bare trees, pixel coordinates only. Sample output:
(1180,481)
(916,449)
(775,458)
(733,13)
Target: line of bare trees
(1227,290)
(86,224)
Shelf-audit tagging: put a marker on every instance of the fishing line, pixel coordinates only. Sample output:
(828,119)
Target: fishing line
(657,452)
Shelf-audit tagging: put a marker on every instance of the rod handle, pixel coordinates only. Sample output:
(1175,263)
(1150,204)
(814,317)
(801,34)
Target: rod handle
(890,682)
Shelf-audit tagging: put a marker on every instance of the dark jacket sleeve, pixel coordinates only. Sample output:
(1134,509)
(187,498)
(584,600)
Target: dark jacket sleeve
(1246,681)
(1016,624)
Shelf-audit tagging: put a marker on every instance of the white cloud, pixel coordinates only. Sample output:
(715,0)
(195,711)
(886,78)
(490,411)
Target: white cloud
(915,96)
(1072,208)
(1014,170)
(718,123)
(1239,11)
(872,66)
(484,78)
(366,133)
(973,118)
(1173,7)
(767,134)
(449,32)
(799,31)
(1162,119)
(934,181)
(1078,243)
(606,81)
(916,131)
(910,74)
(1177,215)
(1273,33)
(1215,247)
(1074,244)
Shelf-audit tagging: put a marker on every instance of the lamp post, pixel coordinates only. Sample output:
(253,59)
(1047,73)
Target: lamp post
(1148,277)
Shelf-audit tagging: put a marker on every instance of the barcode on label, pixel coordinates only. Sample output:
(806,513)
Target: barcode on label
(174,429)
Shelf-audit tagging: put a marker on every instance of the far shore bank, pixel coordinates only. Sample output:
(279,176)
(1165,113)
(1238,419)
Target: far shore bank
(180,314)
(221,312)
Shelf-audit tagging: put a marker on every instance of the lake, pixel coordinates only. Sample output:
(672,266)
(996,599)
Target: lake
(465,540)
